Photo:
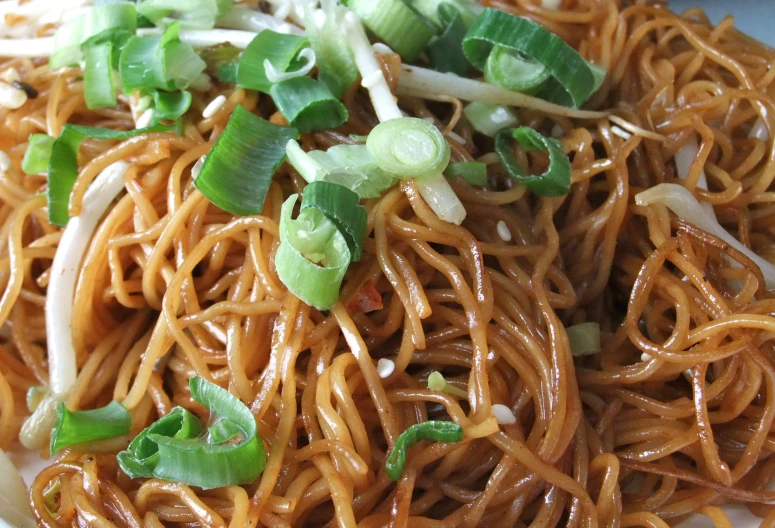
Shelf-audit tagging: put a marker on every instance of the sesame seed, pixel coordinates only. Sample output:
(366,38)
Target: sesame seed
(645,357)
(11,97)
(145,119)
(503,414)
(214,106)
(385,367)
(457,137)
(503,231)
(557,132)
(5,161)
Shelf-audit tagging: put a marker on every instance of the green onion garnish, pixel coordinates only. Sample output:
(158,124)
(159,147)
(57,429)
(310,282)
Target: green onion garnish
(473,172)
(313,256)
(584,339)
(468,9)
(341,206)
(437,382)
(409,147)
(348,165)
(308,105)
(98,24)
(194,14)
(513,38)
(221,61)
(63,163)
(161,62)
(446,51)
(439,431)
(38,153)
(168,106)
(488,118)
(335,61)
(240,166)
(98,88)
(279,49)
(555,181)
(180,449)
(510,69)
(71,428)
(396,22)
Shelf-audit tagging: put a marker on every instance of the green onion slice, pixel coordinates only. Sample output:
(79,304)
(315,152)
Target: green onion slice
(308,105)
(584,339)
(98,88)
(335,61)
(348,165)
(71,428)
(199,14)
(510,69)
(98,24)
(555,181)
(409,147)
(396,22)
(468,9)
(240,166)
(222,61)
(473,172)
(63,163)
(446,51)
(169,106)
(277,48)
(488,118)
(439,431)
(571,82)
(313,256)
(180,449)
(160,62)
(341,206)
(38,153)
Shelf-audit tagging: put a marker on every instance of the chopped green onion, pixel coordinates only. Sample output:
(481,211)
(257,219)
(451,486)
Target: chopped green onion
(571,82)
(97,24)
(555,181)
(437,382)
(277,48)
(341,206)
(441,198)
(179,449)
(98,88)
(222,61)
(488,118)
(63,162)
(436,430)
(199,14)
(38,153)
(35,396)
(510,69)
(160,62)
(72,428)
(468,9)
(336,64)
(473,172)
(409,147)
(584,339)
(313,256)
(599,73)
(446,51)
(240,166)
(308,105)
(396,22)
(169,106)
(348,165)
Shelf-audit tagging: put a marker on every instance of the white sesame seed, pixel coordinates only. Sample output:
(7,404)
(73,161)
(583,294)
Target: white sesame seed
(10,97)
(214,106)
(557,132)
(503,414)
(503,231)
(10,75)
(551,4)
(491,355)
(619,131)
(457,137)
(382,49)
(145,119)
(385,367)
(645,357)
(5,161)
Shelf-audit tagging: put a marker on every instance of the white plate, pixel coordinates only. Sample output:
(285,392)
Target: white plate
(748,18)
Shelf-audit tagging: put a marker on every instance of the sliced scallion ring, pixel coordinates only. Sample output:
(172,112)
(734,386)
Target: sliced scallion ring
(308,105)
(473,172)
(279,49)
(71,428)
(341,206)
(555,181)
(510,69)
(409,147)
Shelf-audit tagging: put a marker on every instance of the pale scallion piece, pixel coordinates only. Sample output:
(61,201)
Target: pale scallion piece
(489,119)
(437,382)
(408,148)
(584,339)
(37,154)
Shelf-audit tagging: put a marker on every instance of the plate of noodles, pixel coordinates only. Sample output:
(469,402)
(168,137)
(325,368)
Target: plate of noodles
(433,263)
